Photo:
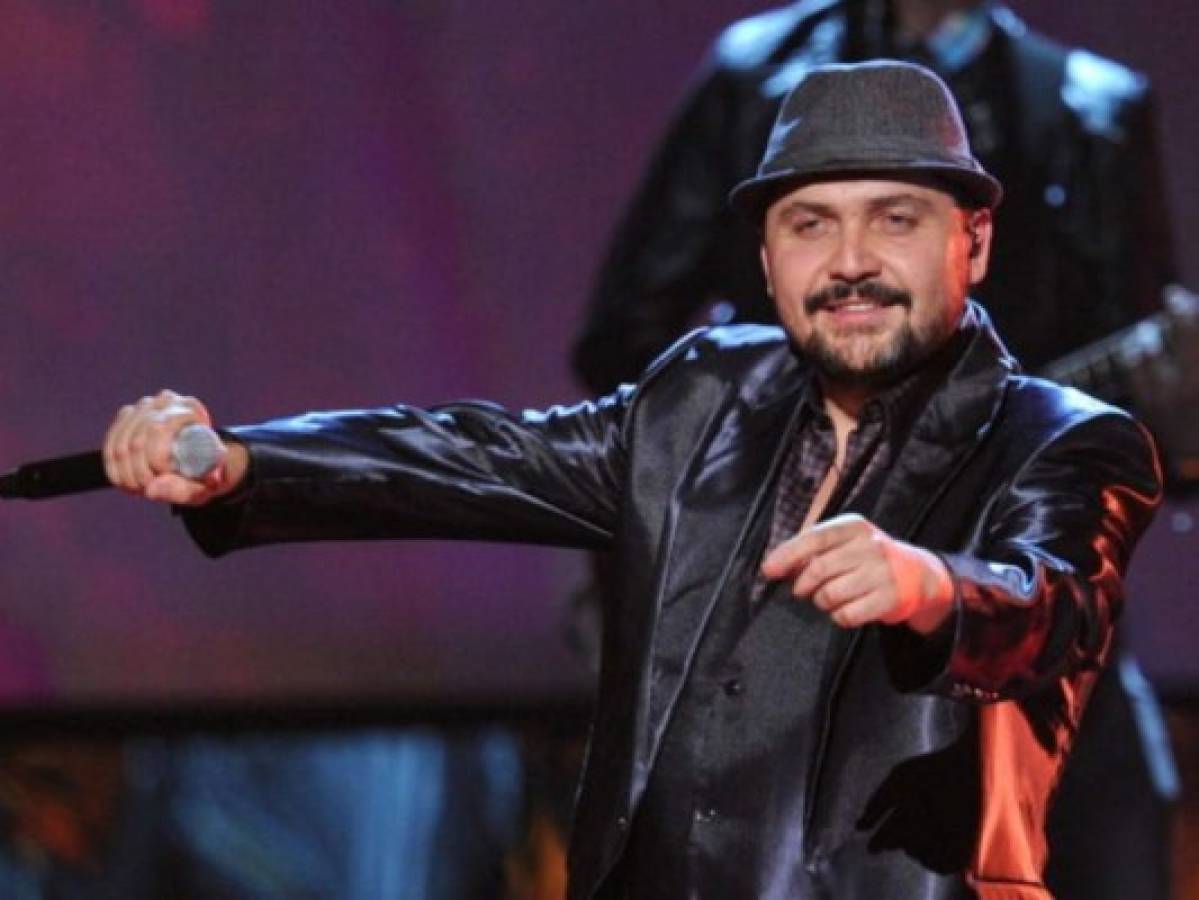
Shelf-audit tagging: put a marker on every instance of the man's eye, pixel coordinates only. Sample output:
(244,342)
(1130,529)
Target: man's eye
(898,223)
(808,227)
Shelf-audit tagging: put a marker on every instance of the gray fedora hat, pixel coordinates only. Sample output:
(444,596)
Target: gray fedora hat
(882,118)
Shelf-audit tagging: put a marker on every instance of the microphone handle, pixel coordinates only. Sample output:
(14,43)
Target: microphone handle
(196,452)
(55,477)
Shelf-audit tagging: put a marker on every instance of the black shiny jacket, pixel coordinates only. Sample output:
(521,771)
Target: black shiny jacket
(937,762)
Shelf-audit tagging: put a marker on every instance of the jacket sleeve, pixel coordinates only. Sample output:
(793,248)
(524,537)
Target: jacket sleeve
(668,257)
(469,470)
(1039,590)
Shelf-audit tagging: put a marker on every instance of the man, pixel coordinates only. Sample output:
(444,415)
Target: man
(1083,248)
(868,571)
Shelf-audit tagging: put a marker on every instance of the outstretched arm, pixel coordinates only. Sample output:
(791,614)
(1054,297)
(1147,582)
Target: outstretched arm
(469,470)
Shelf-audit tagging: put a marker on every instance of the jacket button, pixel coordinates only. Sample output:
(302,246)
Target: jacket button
(734,687)
(622,823)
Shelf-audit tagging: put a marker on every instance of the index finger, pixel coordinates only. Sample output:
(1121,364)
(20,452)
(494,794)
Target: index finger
(797,552)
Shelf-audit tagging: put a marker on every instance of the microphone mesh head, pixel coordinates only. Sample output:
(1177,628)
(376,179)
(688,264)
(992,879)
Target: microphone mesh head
(197,451)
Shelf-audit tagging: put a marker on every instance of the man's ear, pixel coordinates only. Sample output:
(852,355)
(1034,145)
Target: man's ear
(766,270)
(979,228)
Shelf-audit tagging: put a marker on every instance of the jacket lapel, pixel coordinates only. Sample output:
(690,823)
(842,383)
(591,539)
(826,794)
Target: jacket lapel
(948,429)
(723,489)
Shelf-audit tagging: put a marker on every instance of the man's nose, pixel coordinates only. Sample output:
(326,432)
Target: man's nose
(853,259)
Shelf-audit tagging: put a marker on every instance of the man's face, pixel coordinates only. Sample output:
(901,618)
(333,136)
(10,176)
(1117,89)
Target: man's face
(870,276)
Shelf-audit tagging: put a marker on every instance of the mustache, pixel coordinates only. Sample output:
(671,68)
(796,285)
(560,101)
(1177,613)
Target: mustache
(863,290)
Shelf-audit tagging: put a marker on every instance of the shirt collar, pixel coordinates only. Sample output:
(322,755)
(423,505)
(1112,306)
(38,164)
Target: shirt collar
(893,404)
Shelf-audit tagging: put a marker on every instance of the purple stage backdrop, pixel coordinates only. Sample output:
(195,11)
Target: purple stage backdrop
(292,206)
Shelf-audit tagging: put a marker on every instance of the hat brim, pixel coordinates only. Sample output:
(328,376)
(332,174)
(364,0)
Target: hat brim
(974,188)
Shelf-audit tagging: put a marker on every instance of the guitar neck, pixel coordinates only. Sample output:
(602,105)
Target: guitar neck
(1104,368)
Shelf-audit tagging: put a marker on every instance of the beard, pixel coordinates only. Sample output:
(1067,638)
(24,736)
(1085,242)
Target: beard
(883,362)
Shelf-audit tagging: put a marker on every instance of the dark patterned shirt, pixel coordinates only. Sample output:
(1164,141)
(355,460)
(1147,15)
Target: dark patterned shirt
(869,451)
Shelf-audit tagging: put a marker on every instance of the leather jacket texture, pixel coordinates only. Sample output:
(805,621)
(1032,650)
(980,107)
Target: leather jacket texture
(938,758)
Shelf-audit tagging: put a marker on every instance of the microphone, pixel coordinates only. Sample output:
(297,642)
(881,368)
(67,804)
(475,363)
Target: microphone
(196,452)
